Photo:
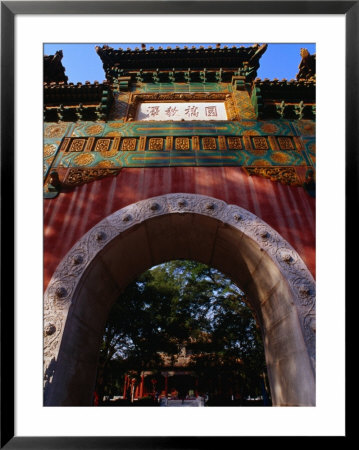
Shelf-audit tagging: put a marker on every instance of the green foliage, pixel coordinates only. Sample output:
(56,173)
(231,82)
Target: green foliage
(182,304)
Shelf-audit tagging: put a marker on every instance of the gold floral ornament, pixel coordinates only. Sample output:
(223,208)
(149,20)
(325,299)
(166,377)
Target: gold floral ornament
(84,159)
(280,157)
(285,143)
(155,144)
(53,131)
(284,175)
(113,134)
(115,124)
(129,145)
(106,164)
(248,123)
(244,105)
(102,145)
(77,145)
(76,177)
(234,143)
(49,150)
(261,162)
(250,133)
(260,143)
(209,143)
(94,129)
(182,143)
(269,128)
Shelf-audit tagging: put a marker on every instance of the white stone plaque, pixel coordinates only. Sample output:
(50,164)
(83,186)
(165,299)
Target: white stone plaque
(182,111)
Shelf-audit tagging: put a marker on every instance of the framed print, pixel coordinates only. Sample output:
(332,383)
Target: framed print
(181,154)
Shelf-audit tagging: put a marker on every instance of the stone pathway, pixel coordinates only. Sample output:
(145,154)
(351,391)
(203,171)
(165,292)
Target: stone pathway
(188,402)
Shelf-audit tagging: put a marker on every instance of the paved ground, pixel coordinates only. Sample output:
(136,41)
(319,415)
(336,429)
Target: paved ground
(195,402)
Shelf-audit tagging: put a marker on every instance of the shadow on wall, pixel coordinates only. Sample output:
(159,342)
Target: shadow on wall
(48,375)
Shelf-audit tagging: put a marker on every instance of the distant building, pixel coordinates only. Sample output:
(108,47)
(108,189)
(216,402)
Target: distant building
(178,378)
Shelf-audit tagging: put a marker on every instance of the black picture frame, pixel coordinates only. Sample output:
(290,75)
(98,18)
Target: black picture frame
(9,9)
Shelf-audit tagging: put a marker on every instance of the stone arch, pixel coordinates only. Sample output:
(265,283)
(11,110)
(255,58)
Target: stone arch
(107,258)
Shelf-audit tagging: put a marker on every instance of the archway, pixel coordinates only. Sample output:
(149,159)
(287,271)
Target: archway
(102,263)
(182,329)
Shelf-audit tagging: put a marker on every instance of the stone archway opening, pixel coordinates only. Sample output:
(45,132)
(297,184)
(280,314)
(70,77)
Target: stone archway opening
(179,226)
(186,328)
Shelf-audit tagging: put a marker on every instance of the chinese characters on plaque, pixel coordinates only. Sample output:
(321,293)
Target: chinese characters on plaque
(182,111)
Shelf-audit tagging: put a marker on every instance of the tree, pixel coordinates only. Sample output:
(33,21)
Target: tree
(182,304)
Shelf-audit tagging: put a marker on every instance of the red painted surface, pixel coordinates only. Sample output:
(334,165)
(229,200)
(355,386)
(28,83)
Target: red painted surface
(289,210)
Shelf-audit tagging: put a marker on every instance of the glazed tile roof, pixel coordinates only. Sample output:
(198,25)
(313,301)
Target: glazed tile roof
(195,58)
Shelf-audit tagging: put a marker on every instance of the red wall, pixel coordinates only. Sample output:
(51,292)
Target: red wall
(289,210)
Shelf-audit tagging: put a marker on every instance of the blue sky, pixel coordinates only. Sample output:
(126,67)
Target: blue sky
(83,64)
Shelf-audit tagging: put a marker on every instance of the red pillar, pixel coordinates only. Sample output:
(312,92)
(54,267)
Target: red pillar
(132,388)
(141,385)
(125,387)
